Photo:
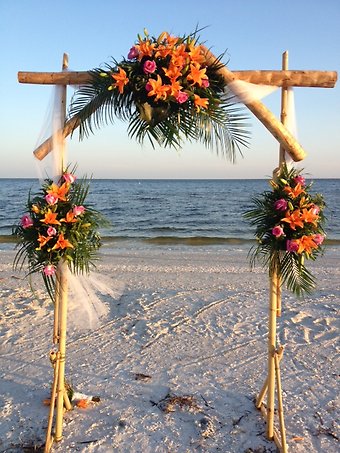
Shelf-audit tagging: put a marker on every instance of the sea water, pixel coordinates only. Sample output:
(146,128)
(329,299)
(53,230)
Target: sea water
(191,212)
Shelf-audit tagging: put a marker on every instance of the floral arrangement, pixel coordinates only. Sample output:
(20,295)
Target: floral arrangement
(289,229)
(167,91)
(58,226)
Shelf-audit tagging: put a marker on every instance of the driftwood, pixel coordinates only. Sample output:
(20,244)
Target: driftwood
(321,79)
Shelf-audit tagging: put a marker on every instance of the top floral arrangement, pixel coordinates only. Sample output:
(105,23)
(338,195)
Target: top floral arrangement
(167,92)
(289,228)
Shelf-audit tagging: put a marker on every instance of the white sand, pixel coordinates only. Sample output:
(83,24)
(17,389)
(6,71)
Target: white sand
(192,322)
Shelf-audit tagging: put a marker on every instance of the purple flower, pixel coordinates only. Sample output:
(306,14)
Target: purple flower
(51,231)
(51,199)
(277,231)
(77,210)
(26,221)
(149,67)
(292,246)
(49,270)
(281,205)
(181,97)
(133,53)
(300,180)
(318,239)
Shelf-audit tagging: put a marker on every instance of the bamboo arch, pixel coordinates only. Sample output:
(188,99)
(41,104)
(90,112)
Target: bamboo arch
(288,144)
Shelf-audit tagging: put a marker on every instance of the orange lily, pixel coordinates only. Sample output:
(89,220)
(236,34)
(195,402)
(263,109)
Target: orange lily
(158,89)
(69,218)
(50,218)
(179,56)
(171,41)
(293,219)
(59,191)
(173,72)
(145,49)
(306,244)
(197,74)
(174,88)
(308,216)
(43,241)
(121,80)
(200,102)
(294,192)
(196,55)
(62,243)
(163,51)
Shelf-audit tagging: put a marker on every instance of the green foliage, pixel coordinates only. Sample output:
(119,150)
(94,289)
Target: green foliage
(162,118)
(58,226)
(289,228)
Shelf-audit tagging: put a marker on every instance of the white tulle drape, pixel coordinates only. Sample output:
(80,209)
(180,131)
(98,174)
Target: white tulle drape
(90,295)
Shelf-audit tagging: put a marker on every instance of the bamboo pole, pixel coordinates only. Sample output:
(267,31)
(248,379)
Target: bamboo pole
(319,79)
(63,270)
(49,438)
(56,313)
(266,117)
(280,404)
(264,388)
(62,278)
(282,156)
(276,434)
(284,106)
(271,353)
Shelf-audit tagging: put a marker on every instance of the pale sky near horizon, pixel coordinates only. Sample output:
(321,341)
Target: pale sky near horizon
(35,33)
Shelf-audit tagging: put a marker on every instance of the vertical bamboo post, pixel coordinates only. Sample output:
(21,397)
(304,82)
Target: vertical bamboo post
(49,438)
(271,353)
(282,154)
(56,313)
(280,404)
(62,271)
(62,286)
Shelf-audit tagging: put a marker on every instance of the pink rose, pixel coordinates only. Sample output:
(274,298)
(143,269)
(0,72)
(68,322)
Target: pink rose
(133,53)
(277,231)
(77,210)
(69,177)
(148,86)
(292,246)
(315,209)
(149,67)
(281,205)
(51,199)
(205,83)
(181,97)
(26,221)
(300,180)
(318,239)
(49,270)
(51,231)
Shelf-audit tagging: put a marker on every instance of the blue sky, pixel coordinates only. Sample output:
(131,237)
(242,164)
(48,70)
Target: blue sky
(35,33)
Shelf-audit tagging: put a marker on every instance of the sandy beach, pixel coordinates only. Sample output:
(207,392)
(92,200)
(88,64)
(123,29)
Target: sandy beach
(178,360)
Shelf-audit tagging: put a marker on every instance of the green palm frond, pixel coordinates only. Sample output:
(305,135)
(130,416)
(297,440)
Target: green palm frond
(222,126)
(288,235)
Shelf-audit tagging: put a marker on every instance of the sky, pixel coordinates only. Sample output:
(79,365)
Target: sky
(34,34)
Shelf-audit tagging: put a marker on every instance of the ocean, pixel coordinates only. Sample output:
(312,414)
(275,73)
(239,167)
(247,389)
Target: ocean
(191,212)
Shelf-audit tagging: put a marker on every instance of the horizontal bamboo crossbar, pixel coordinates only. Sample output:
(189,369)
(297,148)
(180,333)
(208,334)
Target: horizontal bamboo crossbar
(274,126)
(320,79)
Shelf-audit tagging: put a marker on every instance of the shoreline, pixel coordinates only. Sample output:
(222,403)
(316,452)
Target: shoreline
(183,321)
